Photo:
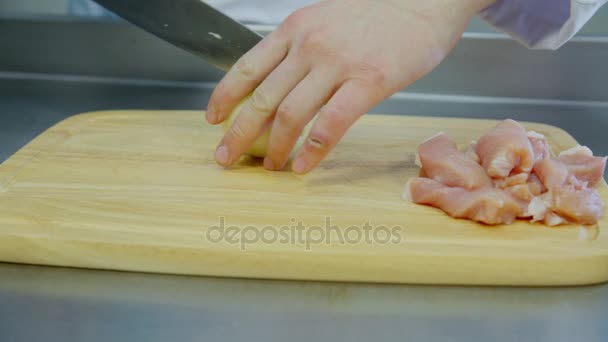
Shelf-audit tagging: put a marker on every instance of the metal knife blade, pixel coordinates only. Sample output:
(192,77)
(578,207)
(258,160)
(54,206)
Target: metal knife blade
(191,25)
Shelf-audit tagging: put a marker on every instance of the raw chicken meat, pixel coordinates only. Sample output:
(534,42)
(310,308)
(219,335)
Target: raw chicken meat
(522,186)
(583,165)
(470,151)
(539,144)
(582,206)
(487,205)
(506,149)
(444,163)
(521,192)
(551,172)
(535,185)
(540,207)
(516,179)
(508,174)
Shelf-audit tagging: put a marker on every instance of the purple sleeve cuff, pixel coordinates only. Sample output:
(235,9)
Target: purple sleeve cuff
(544,24)
(528,20)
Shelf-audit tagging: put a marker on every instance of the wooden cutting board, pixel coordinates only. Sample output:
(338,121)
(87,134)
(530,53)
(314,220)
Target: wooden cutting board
(139,191)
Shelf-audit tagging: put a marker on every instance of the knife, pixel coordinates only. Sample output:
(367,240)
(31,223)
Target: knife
(191,25)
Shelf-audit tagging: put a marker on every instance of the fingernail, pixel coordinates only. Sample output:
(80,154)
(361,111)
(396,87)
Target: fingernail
(299,166)
(211,115)
(222,155)
(268,164)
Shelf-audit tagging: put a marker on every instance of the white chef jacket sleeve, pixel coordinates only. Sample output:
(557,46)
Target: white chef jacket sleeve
(541,24)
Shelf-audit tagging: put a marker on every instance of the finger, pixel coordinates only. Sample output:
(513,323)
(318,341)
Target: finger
(256,114)
(294,113)
(349,103)
(246,74)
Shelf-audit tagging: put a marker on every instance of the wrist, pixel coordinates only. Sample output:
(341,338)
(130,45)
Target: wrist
(464,8)
(477,6)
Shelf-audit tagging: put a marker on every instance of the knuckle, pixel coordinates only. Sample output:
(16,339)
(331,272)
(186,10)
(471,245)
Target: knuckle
(285,116)
(378,78)
(260,102)
(375,77)
(337,61)
(335,120)
(369,75)
(236,131)
(278,37)
(334,113)
(297,17)
(245,67)
(313,41)
(319,139)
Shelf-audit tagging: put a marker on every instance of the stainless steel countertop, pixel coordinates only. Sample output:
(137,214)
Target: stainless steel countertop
(60,304)
(39,303)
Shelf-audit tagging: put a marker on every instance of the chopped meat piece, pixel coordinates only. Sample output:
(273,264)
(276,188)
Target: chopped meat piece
(572,205)
(488,205)
(576,183)
(521,186)
(505,149)
(519,178)
(418,187)
(539,207)
(521,192)
(506,175)
(582,206)
(470,151)
(583,165)
(526,192)
(569,204)
(539,144)
(443,162)
(553,219)
(535,185)
(551,172)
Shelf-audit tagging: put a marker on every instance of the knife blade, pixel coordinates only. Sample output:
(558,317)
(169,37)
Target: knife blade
(191,25)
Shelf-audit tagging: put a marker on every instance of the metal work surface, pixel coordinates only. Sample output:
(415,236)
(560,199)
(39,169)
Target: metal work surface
(62,71)
(48,304)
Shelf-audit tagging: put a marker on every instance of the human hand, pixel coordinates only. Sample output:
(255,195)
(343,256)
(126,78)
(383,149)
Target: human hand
(334,60)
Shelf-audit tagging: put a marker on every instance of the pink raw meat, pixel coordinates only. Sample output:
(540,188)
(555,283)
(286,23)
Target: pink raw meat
(508,174)
(442,161)
(551,172)
(488,205)
(505,149)
(539,144)
(583,165)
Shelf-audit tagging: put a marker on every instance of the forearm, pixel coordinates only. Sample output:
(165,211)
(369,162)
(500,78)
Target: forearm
(448,18)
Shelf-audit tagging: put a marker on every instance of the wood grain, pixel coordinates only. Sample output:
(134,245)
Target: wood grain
(139,191)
